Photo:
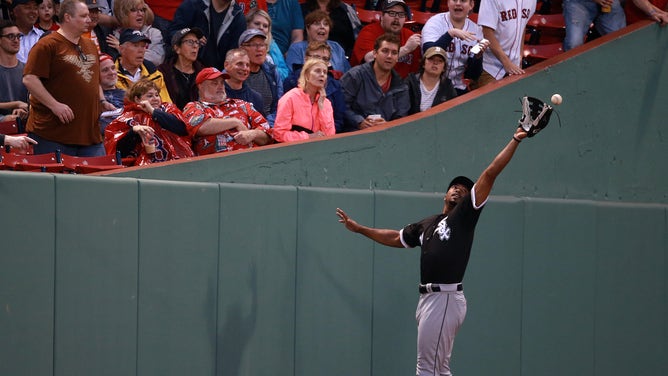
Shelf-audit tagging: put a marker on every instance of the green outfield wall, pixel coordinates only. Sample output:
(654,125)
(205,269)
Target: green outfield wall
(188,269)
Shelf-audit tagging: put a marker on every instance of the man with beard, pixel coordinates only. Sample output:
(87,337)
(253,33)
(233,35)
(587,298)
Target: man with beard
(237,66)
(392,21)
(25,14)
(445,240)
(374,91)
(218,123)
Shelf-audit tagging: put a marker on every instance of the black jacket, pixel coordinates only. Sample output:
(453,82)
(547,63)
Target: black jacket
(445,91)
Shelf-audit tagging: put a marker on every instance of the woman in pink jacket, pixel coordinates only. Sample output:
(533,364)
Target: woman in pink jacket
(304,112)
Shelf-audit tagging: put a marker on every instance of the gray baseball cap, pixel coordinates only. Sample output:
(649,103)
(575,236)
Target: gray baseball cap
(250,34)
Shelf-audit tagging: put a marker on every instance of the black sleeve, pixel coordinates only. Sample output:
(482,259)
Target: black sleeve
(2,140)
(443,42)
(127,144)
(473,68)
(169,122)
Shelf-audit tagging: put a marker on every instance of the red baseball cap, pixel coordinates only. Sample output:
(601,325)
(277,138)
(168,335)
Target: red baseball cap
(209,74)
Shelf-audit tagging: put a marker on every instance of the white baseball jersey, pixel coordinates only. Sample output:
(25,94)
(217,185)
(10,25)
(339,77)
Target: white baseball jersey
(508,18)
(458,51)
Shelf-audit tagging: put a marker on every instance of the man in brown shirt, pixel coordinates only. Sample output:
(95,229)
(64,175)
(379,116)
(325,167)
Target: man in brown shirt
(62,75)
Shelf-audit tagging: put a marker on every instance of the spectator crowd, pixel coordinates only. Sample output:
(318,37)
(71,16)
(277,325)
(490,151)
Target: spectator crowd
(158,80)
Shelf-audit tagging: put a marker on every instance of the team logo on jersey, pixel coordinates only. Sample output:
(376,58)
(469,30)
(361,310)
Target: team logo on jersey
(443,230)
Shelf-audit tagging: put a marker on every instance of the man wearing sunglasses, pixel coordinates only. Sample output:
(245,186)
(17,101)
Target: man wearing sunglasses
(395,14)
(63,77)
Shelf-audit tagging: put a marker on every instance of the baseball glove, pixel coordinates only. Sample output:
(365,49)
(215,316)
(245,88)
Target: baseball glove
(535,115)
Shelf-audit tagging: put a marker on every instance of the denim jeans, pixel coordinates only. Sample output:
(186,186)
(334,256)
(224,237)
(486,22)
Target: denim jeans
(45,146)
(579,14)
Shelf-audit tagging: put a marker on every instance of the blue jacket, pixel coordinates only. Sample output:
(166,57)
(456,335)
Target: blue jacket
(195,13)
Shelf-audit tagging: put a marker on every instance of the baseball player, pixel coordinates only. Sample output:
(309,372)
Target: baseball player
(454,32)
(446,241)
(503,23)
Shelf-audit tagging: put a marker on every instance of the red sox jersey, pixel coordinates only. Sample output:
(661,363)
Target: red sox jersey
(508,18)
(458,51)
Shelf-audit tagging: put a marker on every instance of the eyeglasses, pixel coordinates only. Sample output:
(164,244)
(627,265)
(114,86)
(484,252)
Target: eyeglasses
(82,55)
(191,42)
(394,14)
(12,36)
(257,46)
(323,58)
(135,10)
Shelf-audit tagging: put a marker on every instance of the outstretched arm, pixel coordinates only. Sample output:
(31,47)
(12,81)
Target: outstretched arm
(382,236)
(486,180)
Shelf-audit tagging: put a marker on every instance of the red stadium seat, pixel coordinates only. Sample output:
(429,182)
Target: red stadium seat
(50,162)
(368,16)
(9,127)
(422,17)
(85,165)
(546,29)
(537,53)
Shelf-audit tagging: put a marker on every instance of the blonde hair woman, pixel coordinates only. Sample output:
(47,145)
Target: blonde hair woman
(257,18)
(136,15)
(304,112)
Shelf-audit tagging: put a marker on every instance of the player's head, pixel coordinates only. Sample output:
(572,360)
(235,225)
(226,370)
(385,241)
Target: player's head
(457,189)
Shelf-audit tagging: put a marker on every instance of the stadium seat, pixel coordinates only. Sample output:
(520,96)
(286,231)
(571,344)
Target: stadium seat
(546,29)
(9,127)
(50,162)
(537,53)
(421,18)
(86,165)
(368,16)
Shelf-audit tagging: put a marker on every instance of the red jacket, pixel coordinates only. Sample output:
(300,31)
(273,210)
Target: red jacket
(169,145)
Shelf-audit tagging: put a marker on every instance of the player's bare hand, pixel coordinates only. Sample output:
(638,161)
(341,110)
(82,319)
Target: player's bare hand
(520,133)
(63,112)
(347,221)
(461,34)
(19,142)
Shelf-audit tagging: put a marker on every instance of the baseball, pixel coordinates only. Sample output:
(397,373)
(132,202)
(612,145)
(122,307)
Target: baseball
(556,99)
